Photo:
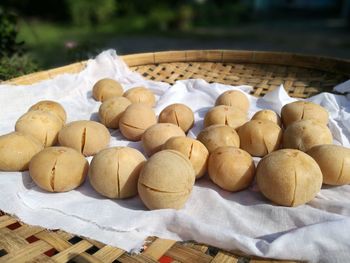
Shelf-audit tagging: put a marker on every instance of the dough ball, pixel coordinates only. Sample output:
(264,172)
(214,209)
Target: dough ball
(114,172)
(289,177)
(234,98)
(303,110)
(334,161)
(42,125)
(267,115)
(87,137)
(218,135)
(155,136)
(178,114)
(58,169)
(166,180)
(106,88)
(16,151)
(260,137)
(227,115)
(111,111)
(231,168)
(193,149)
(140,95)
(305,134)
(135,120)
(51,106)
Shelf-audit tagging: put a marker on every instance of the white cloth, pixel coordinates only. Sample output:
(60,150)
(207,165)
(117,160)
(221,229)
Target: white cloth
(317,231)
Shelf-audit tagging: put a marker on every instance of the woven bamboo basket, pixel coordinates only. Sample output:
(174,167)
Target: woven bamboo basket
(302,76)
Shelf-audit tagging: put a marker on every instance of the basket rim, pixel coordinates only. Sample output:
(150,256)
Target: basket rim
(322,63)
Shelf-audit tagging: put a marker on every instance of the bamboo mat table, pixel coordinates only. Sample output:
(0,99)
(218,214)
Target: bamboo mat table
(302,77)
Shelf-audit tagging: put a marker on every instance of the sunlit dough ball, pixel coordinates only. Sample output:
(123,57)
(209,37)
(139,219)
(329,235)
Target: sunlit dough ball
(178,114)
(218,135)
(226,115)
(111,111)
(16,151)
(231,168)
(87,137)
(166,180)
(107,88)
(305,134)
(58,169)
(334,161)
(140,95)
(42,125)
(267,115)
(193,149)
(234,98)
(51,106)
(289,177)
(260,137)
(114,172)
(155,136)
(303,110)
(135,120)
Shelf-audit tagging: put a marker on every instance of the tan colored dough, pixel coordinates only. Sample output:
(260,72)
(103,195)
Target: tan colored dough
(305,134)
(141,95)
(42,125)
(303,110)
(218,135)
(231,168)
(114,172)
(111,111)
(289,177)
(155,136)
(135,120)
(334,161)
(106,88)
(259,137)
(193,149)
(16,151)
(233,98)
(166,180)
(268,115)
(58,169)
(51,106)
(87,137)
(227,115)
(178,114)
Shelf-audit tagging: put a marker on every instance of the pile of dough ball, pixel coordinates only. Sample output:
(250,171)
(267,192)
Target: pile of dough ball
(296,150)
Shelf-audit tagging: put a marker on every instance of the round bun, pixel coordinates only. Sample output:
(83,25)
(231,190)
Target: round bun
(218,135)
(305,134)
(111,111)
(114,172)
(303,110)
(233,98)
(87,137)
(231,168)
(105,89)
(135,120)
(260,137)
(178,114)
(289,177)
(226,115)
(193,149)
(155,136)
(42,125)
(334,161)
(267,115)
(16,151)
(140,95)
(51,106)
(58,169)
(166,180)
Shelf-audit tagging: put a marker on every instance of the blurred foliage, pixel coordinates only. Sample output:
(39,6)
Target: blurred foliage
(16,65)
